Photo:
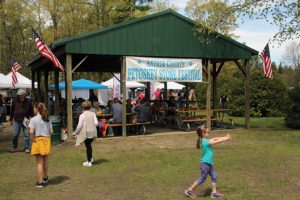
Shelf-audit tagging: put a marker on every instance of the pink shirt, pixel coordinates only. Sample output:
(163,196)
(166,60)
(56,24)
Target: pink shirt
(157,93)
(141,95)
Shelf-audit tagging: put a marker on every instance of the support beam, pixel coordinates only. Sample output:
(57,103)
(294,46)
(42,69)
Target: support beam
(214,87)
(116,76)
(39,91)
(78,65)
(32,86)
(56,91)
(123,83)
(219,68)
(165,91)
(240,66)
(187,92)
(46,97)
(208,97)
(247,94)
(69,93)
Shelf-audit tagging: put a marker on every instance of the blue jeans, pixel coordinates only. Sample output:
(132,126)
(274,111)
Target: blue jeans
(17,126)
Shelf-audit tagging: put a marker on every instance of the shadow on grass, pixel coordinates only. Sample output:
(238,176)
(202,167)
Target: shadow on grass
(58,180)
(100,161)
(206,193)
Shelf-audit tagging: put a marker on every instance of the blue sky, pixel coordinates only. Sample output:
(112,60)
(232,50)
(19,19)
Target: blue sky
(255,33)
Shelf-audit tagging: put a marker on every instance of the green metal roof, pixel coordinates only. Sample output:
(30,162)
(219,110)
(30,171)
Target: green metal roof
(164,34)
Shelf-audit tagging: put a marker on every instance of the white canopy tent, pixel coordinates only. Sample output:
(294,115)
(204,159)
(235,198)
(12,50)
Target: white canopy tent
(114,87)
(129,84)
(23,82)
(171,85)
(1,76)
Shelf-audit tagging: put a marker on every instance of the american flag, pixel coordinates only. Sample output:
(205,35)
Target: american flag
(45,51)
(266,59)
(14,69)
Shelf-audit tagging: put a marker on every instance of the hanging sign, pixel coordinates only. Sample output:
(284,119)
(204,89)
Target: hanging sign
(145,69)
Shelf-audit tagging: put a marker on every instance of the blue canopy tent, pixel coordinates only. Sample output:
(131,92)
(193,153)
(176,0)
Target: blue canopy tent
(81,84)
(81,89)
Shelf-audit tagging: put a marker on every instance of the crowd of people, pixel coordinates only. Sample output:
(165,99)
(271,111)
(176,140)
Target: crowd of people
(37,130)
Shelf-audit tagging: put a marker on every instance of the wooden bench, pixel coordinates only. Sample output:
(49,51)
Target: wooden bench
(188,121)
(131,124)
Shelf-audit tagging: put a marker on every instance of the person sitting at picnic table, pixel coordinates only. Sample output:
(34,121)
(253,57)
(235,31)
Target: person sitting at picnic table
(98,111)
(117,111)
(96,108)
(137,104)
(141,95)
(182,97)
(172,109)
(158,110)
(143,113)
(172,95)
(130,118)
(128,106)
(108,107)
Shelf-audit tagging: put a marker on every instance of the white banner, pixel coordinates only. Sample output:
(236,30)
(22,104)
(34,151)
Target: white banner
(145,69)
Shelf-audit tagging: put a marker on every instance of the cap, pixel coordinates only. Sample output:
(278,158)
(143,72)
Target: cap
(21,92)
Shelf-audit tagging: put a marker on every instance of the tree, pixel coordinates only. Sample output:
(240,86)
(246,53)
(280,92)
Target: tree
(285,14)
(212,16)
(293,117)
(292,54)
(160,5)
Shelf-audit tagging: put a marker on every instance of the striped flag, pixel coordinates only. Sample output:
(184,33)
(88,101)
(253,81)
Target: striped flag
(14,69)
(266,59)
(45,51)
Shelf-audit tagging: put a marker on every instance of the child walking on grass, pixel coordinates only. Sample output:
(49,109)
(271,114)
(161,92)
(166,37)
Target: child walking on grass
(206,162)
(86,131)
(40,129)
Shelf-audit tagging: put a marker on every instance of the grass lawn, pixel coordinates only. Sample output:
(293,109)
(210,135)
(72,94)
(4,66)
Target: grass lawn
(261,163)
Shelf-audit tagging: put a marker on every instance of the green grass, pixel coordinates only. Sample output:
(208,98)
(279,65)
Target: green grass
(259,164)
(265,122)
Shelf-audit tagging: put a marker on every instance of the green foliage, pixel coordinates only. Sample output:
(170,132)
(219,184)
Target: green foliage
(53,20)
(292,119)
(282,13)
(268,98)
(212,16)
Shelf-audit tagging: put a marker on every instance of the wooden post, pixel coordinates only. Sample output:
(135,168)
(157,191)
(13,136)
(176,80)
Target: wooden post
(39,91)
(56,91)
(214,87)
(148,92)
(32,86)
(46,97)
(208,96)
(187,94)
(69,93)
(123,86)
(165,91)
(247,94)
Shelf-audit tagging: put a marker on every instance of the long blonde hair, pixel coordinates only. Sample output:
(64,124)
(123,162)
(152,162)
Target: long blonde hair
(43,111)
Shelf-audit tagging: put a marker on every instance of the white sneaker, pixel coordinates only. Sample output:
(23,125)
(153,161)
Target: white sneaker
(92,160)
(87,164)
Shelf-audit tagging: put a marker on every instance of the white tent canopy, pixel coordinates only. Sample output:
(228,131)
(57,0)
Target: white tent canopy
(23,82)
(171,85)
(1,76)
(129,84)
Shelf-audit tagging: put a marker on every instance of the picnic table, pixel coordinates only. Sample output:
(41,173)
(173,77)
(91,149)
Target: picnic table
(107,116)
(185,117)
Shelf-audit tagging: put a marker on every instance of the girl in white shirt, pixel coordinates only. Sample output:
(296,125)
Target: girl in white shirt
(86,131)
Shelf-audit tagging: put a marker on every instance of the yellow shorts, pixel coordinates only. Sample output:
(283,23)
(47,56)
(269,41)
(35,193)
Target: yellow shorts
(41,146)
